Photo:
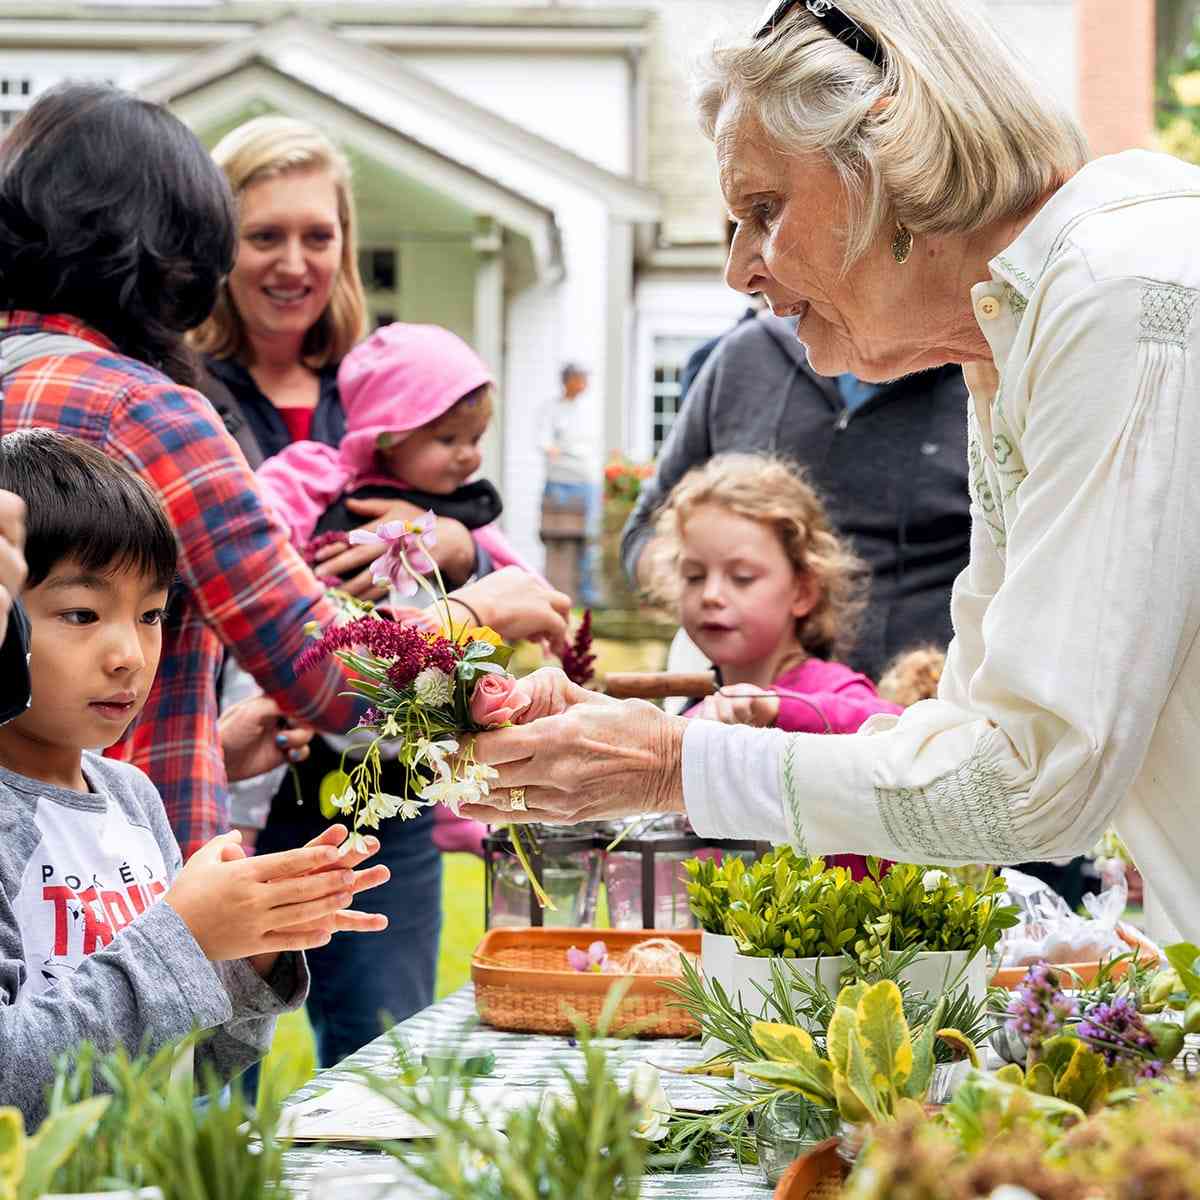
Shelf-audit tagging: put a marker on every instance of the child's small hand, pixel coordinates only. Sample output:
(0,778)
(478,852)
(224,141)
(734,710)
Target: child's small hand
(239,907)
(740,704)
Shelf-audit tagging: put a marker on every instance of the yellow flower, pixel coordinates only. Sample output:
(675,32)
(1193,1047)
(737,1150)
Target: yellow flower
(477,633)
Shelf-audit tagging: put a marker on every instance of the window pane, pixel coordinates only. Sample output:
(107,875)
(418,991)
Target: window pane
(670,357)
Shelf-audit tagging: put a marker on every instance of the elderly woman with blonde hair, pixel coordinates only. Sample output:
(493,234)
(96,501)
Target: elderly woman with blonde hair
(904,189)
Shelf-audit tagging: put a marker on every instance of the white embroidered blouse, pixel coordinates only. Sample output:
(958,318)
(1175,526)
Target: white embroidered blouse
(1070,699)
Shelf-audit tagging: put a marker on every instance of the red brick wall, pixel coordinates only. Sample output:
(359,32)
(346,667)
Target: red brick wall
(1116,72)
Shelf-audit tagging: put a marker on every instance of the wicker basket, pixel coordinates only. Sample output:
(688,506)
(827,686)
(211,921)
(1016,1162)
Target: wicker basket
(816,1175)
(522,983)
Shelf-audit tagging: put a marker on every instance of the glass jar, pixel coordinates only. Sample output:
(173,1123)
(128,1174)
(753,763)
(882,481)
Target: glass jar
(650,857)
(784,1130)
(568,864)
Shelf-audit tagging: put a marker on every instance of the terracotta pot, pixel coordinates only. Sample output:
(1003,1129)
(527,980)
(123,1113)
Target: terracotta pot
(812,1174)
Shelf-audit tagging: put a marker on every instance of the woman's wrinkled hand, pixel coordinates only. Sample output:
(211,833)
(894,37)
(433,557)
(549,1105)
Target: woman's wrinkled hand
(254,741)
(595,759)
(739,704)
(549,692)
(518,605)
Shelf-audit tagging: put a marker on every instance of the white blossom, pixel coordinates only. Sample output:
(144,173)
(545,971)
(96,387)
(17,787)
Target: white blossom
(645,1084)
(355,842)
(932,880)
(380,807)
(433,687)
(344,801)
(435,754)
(453,793)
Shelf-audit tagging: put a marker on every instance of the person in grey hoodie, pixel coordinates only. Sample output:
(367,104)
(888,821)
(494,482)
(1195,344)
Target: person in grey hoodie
(105,936)
(890,462)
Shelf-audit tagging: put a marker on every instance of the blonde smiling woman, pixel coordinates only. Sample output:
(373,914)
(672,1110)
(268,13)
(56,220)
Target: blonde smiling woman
(903,189)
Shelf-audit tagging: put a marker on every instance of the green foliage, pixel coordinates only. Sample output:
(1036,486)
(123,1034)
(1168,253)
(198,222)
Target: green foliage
(586,1145)
(790,907)
(150,1132)
(12,1152)
(909,905)
(56,1140)
(873,1063)
(1067,1069)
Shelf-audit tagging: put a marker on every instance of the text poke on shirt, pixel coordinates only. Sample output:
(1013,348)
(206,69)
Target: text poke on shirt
(88,878)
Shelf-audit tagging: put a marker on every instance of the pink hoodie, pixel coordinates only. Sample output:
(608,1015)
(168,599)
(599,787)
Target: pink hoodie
(399,379)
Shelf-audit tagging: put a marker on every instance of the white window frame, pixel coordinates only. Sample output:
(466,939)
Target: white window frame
(651,327)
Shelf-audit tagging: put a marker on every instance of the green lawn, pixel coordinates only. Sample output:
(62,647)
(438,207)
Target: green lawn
(291,1060)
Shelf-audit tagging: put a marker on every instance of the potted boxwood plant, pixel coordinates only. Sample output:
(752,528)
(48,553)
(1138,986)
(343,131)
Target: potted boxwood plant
(782,906)
(788,907)
(956,924)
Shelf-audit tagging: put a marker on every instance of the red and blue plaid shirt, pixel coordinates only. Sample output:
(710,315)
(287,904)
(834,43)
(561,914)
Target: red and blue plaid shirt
(242,583)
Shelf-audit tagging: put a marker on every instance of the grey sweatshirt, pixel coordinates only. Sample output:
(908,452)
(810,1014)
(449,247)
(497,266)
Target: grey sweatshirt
(892,472)
(86,953)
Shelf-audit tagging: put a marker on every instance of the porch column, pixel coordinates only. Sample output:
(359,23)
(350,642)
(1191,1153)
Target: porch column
(489,335)
(618,328)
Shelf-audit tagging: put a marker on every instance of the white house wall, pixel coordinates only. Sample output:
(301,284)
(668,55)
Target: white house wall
(1045,34)
(582,102)
(548,326)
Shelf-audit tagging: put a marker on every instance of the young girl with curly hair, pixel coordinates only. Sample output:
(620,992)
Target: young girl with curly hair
(770,594)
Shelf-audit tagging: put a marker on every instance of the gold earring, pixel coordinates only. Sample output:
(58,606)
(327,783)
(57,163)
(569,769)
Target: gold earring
(902,244)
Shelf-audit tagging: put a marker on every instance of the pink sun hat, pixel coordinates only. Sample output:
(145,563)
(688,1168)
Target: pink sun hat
(398,379)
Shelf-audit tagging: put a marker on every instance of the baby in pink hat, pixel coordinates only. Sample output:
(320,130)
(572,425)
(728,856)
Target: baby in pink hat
(418,401)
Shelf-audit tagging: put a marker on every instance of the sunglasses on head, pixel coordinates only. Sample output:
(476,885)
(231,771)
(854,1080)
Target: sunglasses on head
(842,27)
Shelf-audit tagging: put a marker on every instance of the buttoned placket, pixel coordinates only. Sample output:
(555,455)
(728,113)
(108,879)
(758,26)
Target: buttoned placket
(998,324)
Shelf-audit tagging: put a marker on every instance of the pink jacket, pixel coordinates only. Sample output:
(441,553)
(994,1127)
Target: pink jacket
(836,699)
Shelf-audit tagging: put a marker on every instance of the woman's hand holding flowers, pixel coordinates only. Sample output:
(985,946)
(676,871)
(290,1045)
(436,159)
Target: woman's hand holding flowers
(595,759)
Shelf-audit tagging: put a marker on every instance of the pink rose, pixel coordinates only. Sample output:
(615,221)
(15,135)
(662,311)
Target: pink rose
(496,701)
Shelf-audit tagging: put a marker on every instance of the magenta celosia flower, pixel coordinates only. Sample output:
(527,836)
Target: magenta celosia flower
(386,641)
(403,551)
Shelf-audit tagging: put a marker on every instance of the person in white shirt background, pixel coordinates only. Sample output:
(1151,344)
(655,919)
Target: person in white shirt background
(571,465)
(904,189)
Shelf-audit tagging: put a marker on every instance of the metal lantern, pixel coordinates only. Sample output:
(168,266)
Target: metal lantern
(565,861)
(644,875)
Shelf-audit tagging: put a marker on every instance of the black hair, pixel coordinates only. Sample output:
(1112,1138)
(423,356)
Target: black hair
(111,211)
(85,507)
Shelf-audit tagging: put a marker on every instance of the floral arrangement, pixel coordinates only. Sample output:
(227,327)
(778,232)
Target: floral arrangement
(623,479)
(428,684)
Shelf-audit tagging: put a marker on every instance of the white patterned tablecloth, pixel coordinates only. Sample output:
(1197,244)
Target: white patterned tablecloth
(526,1063)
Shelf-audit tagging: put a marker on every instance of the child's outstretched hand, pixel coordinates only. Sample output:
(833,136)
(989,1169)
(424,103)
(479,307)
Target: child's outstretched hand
(740,704)
(239,907)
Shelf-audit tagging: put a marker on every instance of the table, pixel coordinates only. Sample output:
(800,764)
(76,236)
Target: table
(527,1063)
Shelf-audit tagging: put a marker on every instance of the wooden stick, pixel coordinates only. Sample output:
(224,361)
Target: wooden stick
(658,685)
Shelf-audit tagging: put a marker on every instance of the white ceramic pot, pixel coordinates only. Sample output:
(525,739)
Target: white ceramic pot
(934,971)
(717,951)
(748,971)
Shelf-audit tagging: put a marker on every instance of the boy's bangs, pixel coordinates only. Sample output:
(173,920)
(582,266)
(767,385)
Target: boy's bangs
(84,507)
